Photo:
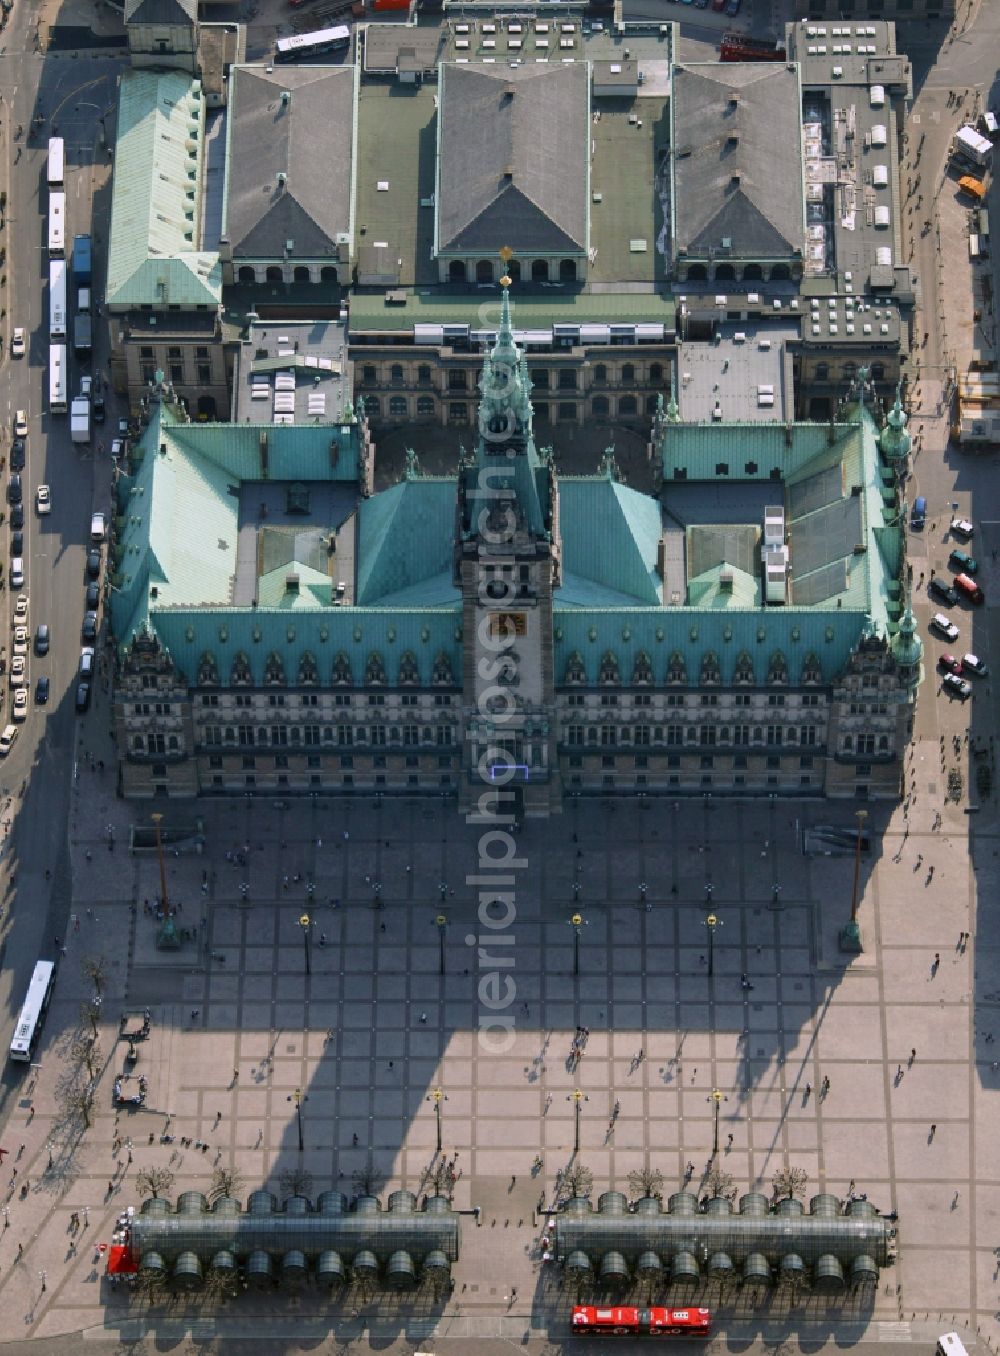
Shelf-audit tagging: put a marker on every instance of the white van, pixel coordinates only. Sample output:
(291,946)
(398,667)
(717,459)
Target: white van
(98,528)
(950,1344)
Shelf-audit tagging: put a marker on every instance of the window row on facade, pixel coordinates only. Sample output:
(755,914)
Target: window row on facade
(567,378)
(460,412)
(734,272)
(287,273)
(518,270)
(670,735)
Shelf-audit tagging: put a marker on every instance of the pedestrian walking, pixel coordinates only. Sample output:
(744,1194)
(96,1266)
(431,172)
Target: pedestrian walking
(913,1055)
(513,1180)
(933,1130)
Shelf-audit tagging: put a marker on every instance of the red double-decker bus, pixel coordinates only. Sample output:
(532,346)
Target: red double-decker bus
(632,1322)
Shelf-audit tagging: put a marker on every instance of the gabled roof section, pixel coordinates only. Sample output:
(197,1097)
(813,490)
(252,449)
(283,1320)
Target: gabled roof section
(153,255)
(288,167)
(752,451)
(611,535)
(405,537)
(737,161)
(169,13)
(314,590)
(723,586)
(513,158)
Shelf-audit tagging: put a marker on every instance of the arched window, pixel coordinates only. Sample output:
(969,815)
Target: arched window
(274,273)
(484,271)
(424,375)
(425,407)
(456,270)
(655,373)
(397,406)
(725,273)
(628,372)
(822,372)
(600,405)
(878,372)
(514,270)
(780,273)
(567,270)
(697,273)
(539,270)
(247,274)
(396,374)
(373,406)
(753,273)
(301,273)
(600,374)
(627,405)
(369,374)
(328,274)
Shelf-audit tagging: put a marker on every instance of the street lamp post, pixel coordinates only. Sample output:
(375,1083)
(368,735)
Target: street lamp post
(442,923)
(437,1097)
(850,933)
(577,921)
(717,1099)
(156,817)
(577,1103)
(305,923)
(298,1097)
(711,922)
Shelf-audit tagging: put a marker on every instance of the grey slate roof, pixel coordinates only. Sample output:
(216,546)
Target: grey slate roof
(161,12)
(737,161)
(308,139)
(513,158)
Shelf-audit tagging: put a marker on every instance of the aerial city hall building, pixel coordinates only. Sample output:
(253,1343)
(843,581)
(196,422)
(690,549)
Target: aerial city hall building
(744,630)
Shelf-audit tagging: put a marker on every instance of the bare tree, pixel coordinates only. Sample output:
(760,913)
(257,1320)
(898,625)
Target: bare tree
(718,1182)
(296,1182)
(226,1182)
(442,1177)
(646,1181)
(90,1015)
(369,1180)
(77,1100)
(790,1182)
(86,1053)
(95,968)
(153,1181)
(578,1180)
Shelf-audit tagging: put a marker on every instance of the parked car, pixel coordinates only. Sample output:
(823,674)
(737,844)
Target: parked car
(20,640)
(17,543)
(944,625)
(82,696)
(17,343)
(964,561)
(20,424)
(90,628)
(20,703)
(950,663)
(8,739)
(21,608)
(18,451)
(97,409)
(93,564)
(92,597)
(957,686)
(43,500)
(973,664)
(18,671)
(17,572)
(17,517)
(962,528)
(15,490)
(943,591)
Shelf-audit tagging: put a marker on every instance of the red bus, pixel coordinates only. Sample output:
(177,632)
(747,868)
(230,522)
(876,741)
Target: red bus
(632,1322)
(969,588)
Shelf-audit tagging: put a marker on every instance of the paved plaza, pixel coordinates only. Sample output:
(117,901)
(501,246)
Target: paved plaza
(369,1035)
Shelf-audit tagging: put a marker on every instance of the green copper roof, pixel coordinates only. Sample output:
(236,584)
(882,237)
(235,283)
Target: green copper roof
(706,589)
(315,588)
(405,537)
(153,255)
(761,633)
(749,451)
(611,535)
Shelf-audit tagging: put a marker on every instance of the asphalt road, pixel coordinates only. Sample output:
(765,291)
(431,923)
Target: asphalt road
(37,773)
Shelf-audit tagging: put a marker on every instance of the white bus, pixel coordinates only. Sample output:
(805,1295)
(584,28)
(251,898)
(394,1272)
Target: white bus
(318,43)
(57,300)
(57,224)
(58,398)
(56,166)
(29,1024)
